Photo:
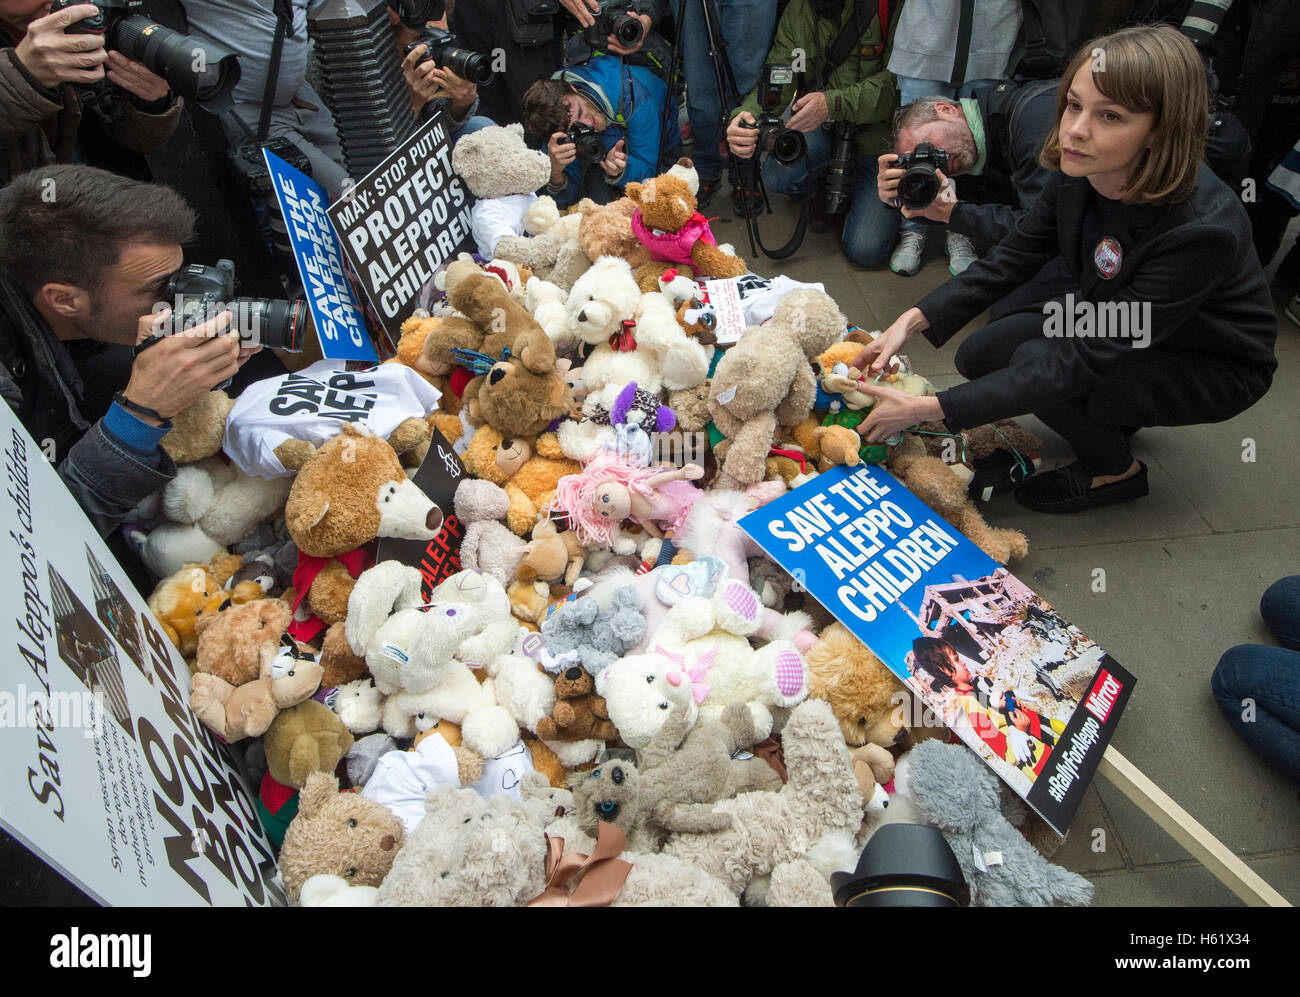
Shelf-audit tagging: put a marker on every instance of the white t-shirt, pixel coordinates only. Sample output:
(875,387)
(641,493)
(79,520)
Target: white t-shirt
(494,218)
(314,403)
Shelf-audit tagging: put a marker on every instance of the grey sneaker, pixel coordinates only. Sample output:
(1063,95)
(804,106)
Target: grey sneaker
(906,258)
(961,253)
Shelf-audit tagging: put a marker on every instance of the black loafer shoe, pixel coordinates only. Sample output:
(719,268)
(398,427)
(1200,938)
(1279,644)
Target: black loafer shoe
(1066,489)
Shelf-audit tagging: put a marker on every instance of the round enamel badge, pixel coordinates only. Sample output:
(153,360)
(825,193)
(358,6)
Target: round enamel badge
(1108,257)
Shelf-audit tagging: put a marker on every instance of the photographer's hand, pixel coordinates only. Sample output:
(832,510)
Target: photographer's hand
(419,75)
(460,92)
(136,78)
(887,175)
(582,10)
(178,370)
(615,161)
(562,154)
(54,57)
(619,48)
(809,112)
(940,209)
(881,350)
(742,138)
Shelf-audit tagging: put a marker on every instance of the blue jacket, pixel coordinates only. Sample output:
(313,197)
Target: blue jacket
(632,99)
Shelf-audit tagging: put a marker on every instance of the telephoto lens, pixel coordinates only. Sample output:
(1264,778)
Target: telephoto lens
(903,865)
(839,174)
(274,325)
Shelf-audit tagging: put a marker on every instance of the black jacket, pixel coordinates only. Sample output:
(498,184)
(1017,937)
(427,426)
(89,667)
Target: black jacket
(62,407)
(1193,261)
(1017,120)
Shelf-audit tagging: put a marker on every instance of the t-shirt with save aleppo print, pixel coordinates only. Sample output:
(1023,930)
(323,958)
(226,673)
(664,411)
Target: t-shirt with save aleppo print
(313,405)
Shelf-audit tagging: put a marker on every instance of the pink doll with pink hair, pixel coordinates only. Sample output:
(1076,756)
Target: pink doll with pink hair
(610,490)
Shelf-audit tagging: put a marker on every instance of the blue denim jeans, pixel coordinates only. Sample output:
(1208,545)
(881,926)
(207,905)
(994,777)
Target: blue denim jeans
(747,28)
(1258,687)
(871,225)
(912,89)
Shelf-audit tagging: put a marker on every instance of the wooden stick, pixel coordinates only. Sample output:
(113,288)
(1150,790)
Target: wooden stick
(1205,847)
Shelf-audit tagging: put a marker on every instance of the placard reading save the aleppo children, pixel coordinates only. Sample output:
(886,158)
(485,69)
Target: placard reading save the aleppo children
(104,770)
(403,220)
(1022,687)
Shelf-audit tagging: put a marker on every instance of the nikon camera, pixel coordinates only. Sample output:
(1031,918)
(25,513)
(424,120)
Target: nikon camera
(783,144)
(590,145)
(919,185)
(615,18)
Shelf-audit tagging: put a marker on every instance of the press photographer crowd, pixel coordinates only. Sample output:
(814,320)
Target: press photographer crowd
(596,388)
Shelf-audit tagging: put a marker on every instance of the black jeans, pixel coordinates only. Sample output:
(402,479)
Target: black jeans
(1156,386)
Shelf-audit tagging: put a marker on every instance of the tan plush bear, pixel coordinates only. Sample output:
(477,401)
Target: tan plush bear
(527,468)
(667,224)
(304,739)
(340,834)
(244,674)
(766,382)
(578,713)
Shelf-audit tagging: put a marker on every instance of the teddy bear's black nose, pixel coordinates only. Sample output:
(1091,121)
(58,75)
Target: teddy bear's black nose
(498,374)
(573,674)
(582,316)
(507,444)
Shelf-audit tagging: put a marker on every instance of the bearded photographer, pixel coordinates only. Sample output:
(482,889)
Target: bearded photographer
(41,110)
(81,276)
(992,140)
(844,50)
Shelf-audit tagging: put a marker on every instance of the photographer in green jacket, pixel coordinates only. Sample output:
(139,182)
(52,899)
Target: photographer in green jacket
(841,99)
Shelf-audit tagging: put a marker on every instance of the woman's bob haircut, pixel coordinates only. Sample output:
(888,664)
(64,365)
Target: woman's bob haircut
(1149,68)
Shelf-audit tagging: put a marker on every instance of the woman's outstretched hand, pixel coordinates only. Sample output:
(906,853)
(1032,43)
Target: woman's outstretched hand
(881,350)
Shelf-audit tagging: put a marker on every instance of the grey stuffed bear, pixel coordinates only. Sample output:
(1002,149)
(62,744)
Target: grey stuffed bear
(584,633)
(958,793)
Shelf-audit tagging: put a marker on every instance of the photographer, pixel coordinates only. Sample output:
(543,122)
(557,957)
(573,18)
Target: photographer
(40,110)
(434,86)
(855,89)
(646,51)
(994,138)
(81,277)
(621,107)
(248,28)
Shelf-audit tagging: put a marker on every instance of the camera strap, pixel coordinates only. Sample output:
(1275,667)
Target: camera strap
(848,37)
(283,30)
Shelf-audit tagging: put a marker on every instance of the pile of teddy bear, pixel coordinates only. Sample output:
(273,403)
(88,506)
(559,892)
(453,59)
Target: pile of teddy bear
(617,677)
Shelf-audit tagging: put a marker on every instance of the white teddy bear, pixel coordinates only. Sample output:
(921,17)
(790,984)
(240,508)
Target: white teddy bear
(701,644)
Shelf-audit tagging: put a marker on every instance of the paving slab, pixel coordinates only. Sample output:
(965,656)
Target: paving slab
(1095,843)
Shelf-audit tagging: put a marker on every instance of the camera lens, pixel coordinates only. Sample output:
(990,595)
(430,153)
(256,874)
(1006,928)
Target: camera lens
(275,325)
(903,865)
(628,30)
(472,66)
(199,71)
(789,146)
(918,186)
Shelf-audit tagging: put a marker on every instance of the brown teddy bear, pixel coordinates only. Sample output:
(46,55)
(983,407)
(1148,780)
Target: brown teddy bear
(184,597)
(248,669)
(304,739)
(667,224)
(606,230)
(552,555)
(579,713)
(339,834)
(766,382)
(863,693)
(527,468)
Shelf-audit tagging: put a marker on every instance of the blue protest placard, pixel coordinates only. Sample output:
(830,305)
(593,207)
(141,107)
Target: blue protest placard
(304,205)
(1022,687)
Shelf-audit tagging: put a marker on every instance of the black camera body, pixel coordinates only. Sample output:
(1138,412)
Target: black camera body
(589,143)
(253,176)
(919,185)
(197,293)
(441,46)
(199,71)
(783,144)
(615,18)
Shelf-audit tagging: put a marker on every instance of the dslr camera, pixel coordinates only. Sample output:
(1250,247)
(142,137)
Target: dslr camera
(919,185)
(783,144)
(197,70)
(588,141)
(255,179)
(615,18)
(440,46)
(198,293)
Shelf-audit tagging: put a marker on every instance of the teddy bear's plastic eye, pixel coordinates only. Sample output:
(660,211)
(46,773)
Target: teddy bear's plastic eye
(419,716)
(352,871)
(595,773)
(261,625)
(465,821)
(649,680)
(352,822)
(663,706)
(862,721)
(291,673)
(444,874)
